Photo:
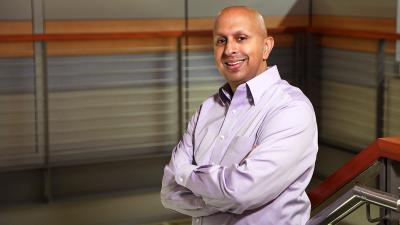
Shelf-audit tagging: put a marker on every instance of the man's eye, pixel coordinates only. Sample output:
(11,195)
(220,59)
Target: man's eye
(221,41)
(242,38)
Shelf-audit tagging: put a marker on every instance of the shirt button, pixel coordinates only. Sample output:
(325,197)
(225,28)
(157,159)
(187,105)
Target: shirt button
(234,112)
(180,179)
(222,137)
(197,220)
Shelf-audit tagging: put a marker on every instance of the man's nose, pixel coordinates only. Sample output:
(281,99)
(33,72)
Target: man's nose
(230,48)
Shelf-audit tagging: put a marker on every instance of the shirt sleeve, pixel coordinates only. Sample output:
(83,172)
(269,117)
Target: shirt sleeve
(286,149)
(175,196)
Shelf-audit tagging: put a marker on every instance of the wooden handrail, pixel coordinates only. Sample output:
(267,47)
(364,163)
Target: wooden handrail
(125,35)
(381,148)
(366,34)
(86,36)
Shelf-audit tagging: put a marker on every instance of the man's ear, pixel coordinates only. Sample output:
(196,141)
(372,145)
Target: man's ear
(268,46)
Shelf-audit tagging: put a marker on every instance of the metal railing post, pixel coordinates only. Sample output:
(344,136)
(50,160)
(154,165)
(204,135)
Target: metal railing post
(179,85)
(41,95)
(186,67)
(380,89)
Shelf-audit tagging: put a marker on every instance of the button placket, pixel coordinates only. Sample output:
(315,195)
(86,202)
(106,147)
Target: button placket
(225,133)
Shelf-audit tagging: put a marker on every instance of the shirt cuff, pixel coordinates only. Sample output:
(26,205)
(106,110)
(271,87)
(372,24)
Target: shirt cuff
(183,174)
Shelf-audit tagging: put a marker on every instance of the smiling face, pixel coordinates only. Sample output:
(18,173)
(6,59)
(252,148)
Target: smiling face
(241,45)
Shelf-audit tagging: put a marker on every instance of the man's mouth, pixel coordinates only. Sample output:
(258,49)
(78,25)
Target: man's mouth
(234,64)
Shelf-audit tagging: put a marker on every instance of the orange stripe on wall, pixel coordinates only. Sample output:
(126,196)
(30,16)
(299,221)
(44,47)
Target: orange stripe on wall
(137,25)
(15,27)
(106,47)
(95,26)
(355,23)
(16,49)
(104,26)
(125,46)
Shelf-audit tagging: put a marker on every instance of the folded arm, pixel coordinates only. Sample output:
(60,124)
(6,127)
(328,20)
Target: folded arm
(287,149)
(175,196)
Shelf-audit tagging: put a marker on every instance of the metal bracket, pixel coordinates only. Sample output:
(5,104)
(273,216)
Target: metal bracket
(368,212)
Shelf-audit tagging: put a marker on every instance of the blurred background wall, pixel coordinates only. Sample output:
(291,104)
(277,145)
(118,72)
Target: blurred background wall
(86,126)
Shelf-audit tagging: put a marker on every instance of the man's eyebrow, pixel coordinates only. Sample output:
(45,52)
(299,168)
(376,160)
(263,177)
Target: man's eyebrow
(236,33)
(240,32)
(219,34)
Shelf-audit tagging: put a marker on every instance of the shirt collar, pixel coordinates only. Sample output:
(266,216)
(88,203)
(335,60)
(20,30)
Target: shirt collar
(255,87)
(259,84)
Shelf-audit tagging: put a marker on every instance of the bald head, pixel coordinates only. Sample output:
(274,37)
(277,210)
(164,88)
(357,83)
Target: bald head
(241,44)
(250,13)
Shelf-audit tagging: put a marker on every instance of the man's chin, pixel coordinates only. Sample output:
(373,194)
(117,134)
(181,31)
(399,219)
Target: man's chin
(236,74)
(235,80)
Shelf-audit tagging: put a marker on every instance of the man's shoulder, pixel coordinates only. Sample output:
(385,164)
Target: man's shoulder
(290,109)
(287,97)
(293,93)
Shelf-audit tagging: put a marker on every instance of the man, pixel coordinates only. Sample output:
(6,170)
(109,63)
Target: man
(249,151)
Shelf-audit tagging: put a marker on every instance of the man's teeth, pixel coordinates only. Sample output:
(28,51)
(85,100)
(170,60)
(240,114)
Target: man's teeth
(234,63)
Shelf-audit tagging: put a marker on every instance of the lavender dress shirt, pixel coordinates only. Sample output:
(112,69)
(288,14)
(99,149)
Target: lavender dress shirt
(246,158)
